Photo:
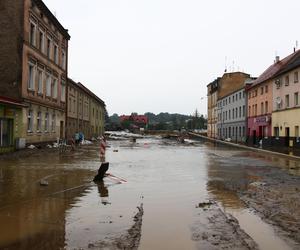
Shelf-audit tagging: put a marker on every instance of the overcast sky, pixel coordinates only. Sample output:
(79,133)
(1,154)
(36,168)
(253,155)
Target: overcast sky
(159,55)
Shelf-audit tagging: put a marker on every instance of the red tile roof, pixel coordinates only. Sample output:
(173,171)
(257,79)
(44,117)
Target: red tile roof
(274,69)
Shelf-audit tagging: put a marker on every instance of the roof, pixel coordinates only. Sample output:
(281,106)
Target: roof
(53,19)
(12,102)
(292,64)
(86,90)
(273,70)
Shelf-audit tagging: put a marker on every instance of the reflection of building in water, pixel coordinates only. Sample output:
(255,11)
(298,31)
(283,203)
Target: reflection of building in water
(103,191)
(33,218)
(224,181)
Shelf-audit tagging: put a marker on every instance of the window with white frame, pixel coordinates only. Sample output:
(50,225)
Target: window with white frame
(30,121)
(56,53)
(296,78)
(40,81)
(49,47)
(48,85)
(63,91)
(53,121)
(47,122)
(42,41)
(63,59)
(31,76)
(54,88)
(32,33)
(39,122)
(296,98)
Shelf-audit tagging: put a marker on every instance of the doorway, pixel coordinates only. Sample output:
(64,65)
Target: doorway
(61,130)
(254,137)
(287,137)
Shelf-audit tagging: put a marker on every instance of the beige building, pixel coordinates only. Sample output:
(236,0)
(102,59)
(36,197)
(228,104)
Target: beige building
(36,67)
(212,114)
(85,111)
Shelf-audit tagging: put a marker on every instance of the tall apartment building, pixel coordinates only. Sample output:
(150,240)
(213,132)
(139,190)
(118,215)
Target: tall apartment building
(85,112)
(33,68)
(212,96)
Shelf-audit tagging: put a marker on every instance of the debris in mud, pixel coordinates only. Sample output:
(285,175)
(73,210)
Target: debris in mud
(204,204)
(129,240)
(44,182)
(216,229)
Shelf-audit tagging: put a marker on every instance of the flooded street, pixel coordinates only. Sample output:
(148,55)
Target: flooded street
(193,196)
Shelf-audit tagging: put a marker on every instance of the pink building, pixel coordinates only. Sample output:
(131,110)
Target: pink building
(260,103)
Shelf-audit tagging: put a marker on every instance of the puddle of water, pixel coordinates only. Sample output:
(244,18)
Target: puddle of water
(262,233)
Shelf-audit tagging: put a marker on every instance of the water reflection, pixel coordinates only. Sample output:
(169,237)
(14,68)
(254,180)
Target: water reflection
(103,192)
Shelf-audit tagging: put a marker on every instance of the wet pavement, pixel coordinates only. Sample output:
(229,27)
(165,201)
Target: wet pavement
(194,196)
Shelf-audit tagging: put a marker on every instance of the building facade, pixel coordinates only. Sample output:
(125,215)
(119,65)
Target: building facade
(286,105)
(212,96)
(232,116)
(85,112)
(260,104)
(34,53)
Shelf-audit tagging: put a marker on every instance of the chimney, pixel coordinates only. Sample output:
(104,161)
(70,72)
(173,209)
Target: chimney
(277,59)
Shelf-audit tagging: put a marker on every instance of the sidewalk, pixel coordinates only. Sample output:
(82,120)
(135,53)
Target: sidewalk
(293,154)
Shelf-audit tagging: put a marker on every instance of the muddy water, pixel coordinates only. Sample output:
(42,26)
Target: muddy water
(169,179)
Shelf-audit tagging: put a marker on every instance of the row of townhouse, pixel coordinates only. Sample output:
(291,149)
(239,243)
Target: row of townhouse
(258,110)
(34,83)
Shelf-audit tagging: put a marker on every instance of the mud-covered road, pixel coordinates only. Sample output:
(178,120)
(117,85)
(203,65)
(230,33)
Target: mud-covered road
(176,196)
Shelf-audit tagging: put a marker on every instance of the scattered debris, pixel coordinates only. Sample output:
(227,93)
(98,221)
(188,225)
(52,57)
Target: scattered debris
(204,204)
(31,147)
(43,182)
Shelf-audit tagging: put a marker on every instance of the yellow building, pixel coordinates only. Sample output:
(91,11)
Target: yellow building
(286,104)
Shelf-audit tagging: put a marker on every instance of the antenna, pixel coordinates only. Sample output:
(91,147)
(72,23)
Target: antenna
(233,66)
(225,64)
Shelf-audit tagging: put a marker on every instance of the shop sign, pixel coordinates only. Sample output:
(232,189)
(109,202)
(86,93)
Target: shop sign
(262,120)
(9,112)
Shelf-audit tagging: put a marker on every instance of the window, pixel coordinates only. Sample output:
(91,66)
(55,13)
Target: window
(32,34)
(296,78)
(63,59)
(287,101)
(48,85)
(31,76)
(63,91)
(229,114)
(54,88)
(49,47)
(42,41)
(74,106)
(70,103)
(236,112)
(266,107)
(297,132)
(256,92)
(46,122)
(56,54)
(40,82)
(287,81)
(232,113)
(39,122)
(232,98)
(262,90)
(53,120)
(30,121)
(244,110)
(262,108)
(296,98)
(266,89)
(276,132)
(240,112)
(229,99)
(255,108)
(240,95)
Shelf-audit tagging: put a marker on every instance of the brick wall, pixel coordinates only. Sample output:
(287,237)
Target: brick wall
(11,42)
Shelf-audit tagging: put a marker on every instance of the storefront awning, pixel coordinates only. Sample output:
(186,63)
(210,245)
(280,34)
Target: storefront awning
(11,102)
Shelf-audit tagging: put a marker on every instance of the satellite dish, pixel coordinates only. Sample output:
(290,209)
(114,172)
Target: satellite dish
(278,100)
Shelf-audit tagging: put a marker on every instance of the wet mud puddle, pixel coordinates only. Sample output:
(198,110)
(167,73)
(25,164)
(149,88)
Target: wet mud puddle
(157,208)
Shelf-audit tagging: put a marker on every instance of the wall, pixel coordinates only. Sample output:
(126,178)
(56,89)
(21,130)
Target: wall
(11,41)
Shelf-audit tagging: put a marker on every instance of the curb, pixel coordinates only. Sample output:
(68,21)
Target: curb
(293,157)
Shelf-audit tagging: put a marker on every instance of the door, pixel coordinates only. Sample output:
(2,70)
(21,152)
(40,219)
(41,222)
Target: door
(287,137)
(61,129)
(254,137)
